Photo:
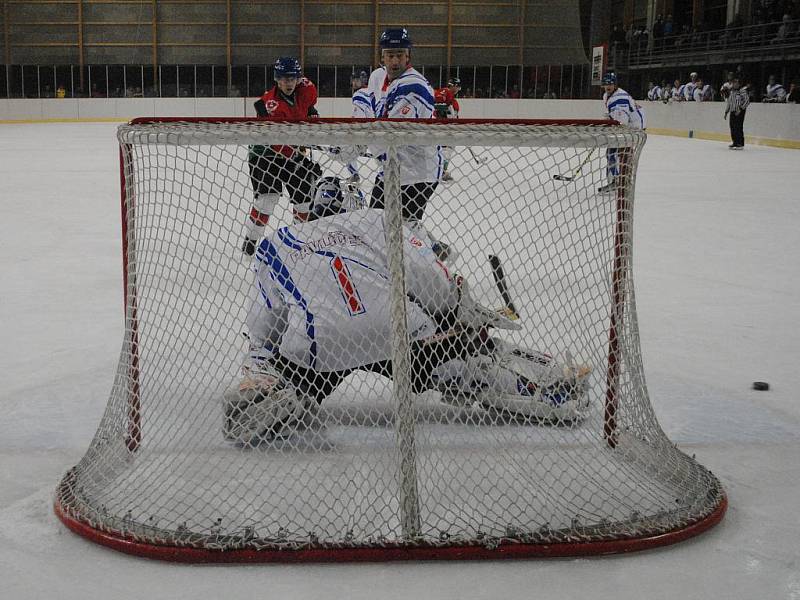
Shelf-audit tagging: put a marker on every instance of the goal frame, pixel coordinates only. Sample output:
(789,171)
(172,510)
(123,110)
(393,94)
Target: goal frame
(557,547)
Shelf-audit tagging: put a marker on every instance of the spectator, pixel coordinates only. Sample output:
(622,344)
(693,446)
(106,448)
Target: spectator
(658,28)
(794,93)
(514,94)
(669,26)
(60,91)
(617,36)
(775,91)
(784,31)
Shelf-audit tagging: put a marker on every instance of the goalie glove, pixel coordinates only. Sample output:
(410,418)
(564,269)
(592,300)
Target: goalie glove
(473,315)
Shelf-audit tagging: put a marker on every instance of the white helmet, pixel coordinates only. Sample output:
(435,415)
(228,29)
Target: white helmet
(333,196)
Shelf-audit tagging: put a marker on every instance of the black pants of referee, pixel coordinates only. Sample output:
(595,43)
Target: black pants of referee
(737,129)
(413,198)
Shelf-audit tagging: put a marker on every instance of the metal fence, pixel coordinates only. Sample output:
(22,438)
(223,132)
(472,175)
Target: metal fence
(781,39)
(192,81)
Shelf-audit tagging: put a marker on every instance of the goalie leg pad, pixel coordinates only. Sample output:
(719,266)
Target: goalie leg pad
(517,382)
(261,407)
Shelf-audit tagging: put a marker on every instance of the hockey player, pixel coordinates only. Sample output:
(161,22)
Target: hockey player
(775,92)
(400,92)
(445,101)
(446,107)
(363,107)
(273,167)
(405,94)
(653,92)
(689,87)
(363,103)
(622,108)
(321,310)
(677,91)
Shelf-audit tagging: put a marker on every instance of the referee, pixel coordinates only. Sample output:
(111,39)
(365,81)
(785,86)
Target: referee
(736,105)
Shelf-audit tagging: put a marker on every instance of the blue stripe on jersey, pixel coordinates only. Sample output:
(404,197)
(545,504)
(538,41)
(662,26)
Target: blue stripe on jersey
(268,254)
(619,102)
(417,89)
(288,238)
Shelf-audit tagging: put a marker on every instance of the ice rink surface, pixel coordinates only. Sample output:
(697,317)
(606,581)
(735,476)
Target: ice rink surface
(718,296)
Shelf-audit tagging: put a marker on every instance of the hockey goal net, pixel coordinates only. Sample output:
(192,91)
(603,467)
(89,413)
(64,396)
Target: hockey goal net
(383,469)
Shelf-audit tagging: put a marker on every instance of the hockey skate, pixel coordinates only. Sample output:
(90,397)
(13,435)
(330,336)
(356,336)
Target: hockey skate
(608,188)
(262,407)
(518,383)
(249,246)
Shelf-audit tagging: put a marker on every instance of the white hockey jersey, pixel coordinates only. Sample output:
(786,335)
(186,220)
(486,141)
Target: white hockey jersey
(363,104)
(776,92)
(321,295)
(654,94)
(409,96)
(622,108)
(688,91)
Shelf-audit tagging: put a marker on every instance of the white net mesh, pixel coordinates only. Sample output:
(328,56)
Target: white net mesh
(530,433)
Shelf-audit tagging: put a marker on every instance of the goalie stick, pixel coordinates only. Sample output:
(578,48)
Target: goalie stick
(481,160)
(502,286)
(577,171)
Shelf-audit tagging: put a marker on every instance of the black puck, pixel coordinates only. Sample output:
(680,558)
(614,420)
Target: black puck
(761,386)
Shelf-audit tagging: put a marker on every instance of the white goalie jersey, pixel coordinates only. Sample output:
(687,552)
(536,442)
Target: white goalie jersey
(322,290)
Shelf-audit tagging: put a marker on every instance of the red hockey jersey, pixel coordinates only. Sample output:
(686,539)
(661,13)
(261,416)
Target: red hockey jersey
(445,96)
(296,106)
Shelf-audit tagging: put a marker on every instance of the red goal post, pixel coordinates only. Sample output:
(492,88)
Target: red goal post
(172,167)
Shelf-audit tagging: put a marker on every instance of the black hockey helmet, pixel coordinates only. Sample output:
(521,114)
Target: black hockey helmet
(454,81)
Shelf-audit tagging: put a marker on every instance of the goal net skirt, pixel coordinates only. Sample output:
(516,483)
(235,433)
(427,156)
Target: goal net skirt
(388,463)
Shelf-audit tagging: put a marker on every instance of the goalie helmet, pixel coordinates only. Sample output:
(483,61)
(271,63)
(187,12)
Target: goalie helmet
(333,196)
(287,66)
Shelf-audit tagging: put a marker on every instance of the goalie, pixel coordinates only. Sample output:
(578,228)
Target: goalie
(320,310)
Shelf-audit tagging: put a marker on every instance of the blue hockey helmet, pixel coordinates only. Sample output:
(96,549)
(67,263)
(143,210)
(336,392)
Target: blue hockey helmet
(609,78)
(394,38)
(287,66)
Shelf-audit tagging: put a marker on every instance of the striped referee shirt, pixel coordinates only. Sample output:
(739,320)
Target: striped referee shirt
(738,100)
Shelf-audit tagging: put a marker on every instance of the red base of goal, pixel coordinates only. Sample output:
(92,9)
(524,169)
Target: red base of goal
(187,554)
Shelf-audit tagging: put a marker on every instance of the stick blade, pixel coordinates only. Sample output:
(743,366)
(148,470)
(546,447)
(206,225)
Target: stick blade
(563,178)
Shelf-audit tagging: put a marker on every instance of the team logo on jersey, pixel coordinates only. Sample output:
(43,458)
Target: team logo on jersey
(271,106)
(405,110)
(416,242)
